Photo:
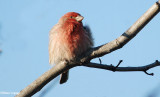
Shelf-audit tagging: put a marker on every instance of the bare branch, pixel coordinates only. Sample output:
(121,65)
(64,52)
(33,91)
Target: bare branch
(51,85)
(94,53)
(124,69)
(39,83)
(125,37)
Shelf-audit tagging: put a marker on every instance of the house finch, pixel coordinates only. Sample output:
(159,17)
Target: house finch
(68,39)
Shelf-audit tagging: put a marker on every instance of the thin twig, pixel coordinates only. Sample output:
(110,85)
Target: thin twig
(100,61)
(119,63)
(148,73)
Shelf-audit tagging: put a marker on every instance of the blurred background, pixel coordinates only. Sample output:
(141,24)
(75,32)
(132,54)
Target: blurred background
(24,31)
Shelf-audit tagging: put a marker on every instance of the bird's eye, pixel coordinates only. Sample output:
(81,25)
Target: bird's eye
(71,16)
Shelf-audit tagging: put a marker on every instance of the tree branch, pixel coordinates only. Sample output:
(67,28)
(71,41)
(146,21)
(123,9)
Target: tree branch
(125,37)
(94,53)
(124,69)
(39,83)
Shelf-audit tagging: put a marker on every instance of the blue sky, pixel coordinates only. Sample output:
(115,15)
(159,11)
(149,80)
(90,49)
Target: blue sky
(24,30)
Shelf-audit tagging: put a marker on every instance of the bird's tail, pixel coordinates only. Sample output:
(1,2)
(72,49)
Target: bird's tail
(64,77)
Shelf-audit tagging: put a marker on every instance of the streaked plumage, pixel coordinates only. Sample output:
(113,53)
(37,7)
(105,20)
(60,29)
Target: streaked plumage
(68,39)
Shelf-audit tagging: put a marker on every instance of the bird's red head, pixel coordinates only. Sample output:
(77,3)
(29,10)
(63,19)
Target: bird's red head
(71,17)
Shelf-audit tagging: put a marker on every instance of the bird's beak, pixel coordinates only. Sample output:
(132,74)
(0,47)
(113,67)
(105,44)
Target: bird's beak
(79,18)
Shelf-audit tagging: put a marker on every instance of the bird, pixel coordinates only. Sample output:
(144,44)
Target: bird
(68,39)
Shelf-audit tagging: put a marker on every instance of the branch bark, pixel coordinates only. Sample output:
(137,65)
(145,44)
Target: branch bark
(39,83)
(118,43)
(125,37)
